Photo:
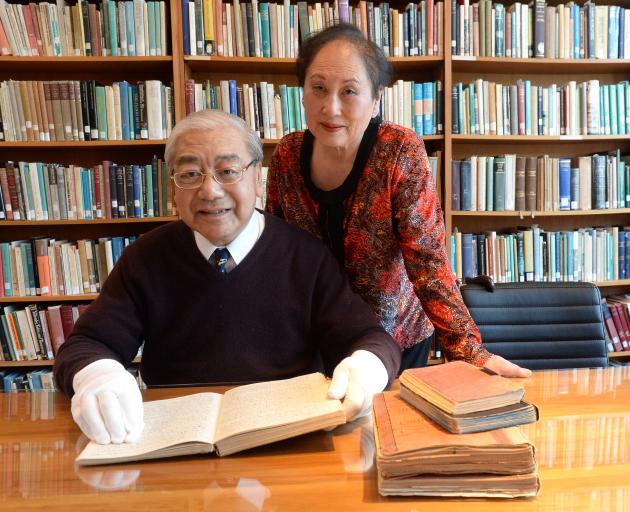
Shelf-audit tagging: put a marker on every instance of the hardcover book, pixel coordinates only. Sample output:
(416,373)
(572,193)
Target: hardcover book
(228,423)
(415,457)
(458,387)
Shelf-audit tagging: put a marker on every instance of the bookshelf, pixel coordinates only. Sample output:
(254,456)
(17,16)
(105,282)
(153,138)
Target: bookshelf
(449,68)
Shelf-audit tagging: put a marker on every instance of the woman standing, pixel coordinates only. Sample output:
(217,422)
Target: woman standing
(365,187)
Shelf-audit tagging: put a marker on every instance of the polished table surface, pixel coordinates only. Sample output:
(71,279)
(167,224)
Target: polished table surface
(582,442)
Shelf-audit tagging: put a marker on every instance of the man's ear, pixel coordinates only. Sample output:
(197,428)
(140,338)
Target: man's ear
(259,180)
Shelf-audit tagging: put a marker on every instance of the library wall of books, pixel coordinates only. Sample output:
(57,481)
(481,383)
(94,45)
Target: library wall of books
(524,108)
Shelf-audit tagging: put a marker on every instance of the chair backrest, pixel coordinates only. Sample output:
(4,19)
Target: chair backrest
(541,325)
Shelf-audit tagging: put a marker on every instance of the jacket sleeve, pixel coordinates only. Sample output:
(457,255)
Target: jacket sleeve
(420,230)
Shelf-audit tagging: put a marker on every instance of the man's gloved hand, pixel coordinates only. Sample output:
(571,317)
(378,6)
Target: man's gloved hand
(356,379)
(107,404)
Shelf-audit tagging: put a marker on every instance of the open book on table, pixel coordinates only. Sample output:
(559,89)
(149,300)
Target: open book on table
(242,418)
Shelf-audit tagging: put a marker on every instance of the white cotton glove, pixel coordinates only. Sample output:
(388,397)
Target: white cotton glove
(107,404)
(356,379)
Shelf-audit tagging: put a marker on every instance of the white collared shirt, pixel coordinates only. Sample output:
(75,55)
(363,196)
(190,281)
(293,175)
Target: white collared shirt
(241,245)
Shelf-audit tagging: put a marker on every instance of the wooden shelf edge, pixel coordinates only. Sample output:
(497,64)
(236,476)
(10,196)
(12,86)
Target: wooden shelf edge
(619,355)
(40,362)
(533,214)
(456,137)
(142,220)
(48,298)
(74,144)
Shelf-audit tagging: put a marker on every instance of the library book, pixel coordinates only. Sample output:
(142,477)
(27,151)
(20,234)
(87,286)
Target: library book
(242,418)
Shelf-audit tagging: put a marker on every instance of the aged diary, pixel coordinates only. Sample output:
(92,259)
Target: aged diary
(458,387)
(242,418)
(415,457)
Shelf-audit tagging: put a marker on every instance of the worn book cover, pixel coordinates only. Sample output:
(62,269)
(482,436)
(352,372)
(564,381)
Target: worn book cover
(458,387)
(414,456)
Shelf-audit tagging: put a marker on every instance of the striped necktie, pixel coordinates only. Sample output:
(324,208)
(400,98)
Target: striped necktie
(220,258)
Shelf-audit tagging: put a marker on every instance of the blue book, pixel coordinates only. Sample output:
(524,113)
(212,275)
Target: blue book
(460,110)
(137,192)
(490,183)
(606,110)
(233,103)
(613,32)
(29,267)
(627,262)
(520,257)
(612,98)
(124,109)
(537,247)
(472,113)
(285,109)
(131,31)
(465,185)
(541,114)
(467,255)
(622,27)
(453,254)
(117,247)
(427,114)
(264,25)
(591,29)
(148,172)
(418,122)
(528,107)
(499,39)
(42,190)
(575,14)
(455,108)
(86,191)
(621,109)
(564,185)
(621,258)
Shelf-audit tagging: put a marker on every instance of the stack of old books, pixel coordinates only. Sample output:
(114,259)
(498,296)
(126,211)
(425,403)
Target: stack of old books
(451,432)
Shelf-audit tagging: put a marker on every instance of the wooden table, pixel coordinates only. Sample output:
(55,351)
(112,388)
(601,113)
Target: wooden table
(582,441)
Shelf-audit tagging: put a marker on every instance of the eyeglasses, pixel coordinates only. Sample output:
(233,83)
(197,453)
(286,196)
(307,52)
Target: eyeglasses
(187,180)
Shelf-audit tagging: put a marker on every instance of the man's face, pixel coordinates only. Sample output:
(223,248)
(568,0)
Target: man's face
(218,212)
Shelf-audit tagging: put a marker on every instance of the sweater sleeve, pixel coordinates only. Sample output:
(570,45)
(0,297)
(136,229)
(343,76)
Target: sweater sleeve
(110,328)
(343,322)
(420,230)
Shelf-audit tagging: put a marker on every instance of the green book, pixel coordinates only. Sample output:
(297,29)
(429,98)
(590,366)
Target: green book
(499,184)
(101,112)
(151,25)
(112,30)
(7,275)
(264,29)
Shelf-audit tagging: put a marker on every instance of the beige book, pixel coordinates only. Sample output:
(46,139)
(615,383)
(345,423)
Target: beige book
(84,281)
(228,423)
(36,114)
(46,111)
(77,106)
(415,457)
(117,111)
(26,110)
(66,115)
(72,100)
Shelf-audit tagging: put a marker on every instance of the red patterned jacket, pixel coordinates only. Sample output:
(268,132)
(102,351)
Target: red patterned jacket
(394,242)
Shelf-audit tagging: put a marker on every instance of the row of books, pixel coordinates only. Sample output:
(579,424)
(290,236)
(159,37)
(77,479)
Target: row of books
(584,108)
(104,28)
(84,110)
(512,182)
(533,254)
(43,191)
(616,311)
(21,380)
(272,112)
(34,333)
(537,30)
(45,266)
(414,105)
(269,29)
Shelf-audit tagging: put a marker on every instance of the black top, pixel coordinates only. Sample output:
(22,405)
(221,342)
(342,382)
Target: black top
(283,311)
(331,207)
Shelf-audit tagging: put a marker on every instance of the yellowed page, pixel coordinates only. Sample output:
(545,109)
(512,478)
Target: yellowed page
(174,421)
(270,404)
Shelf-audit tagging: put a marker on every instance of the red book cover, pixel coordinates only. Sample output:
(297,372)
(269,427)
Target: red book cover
(55,325)
(66,320)
(30,29)
(614,311)
(623,320)
(610,326)
(38,35)
(97,191)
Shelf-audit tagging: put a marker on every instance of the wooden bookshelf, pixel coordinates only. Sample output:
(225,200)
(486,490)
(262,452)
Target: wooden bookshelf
(177,67)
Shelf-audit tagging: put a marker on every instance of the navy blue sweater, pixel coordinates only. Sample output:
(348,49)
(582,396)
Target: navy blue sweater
(287,309)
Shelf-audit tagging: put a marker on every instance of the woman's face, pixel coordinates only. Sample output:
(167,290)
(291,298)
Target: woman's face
(338,100)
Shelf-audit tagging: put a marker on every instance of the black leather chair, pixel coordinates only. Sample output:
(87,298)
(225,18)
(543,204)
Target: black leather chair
(540,325)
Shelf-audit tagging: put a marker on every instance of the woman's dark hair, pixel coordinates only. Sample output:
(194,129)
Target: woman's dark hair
(376,64)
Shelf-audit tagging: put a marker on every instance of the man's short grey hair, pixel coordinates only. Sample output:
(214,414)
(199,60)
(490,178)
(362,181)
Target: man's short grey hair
(211,120)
